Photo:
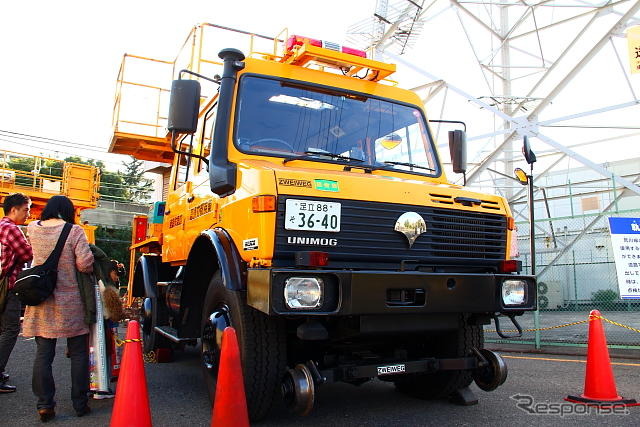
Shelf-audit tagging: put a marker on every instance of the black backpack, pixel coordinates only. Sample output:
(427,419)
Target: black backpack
(35,284)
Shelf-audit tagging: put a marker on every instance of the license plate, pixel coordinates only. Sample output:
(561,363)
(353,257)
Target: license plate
(310,215)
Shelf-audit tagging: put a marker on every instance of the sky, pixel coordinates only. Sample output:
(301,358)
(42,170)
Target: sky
(60,59)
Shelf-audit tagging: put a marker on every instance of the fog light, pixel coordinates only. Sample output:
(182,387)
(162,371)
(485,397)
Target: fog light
(514,292)
(303,292)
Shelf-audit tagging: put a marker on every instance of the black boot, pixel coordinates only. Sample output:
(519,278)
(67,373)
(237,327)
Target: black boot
(6,388)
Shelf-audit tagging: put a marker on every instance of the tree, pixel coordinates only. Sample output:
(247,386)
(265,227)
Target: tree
(111,186)
(136,186)
(29,164)
(24,164)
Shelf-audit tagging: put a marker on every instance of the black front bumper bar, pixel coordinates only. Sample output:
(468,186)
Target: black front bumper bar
(362,292)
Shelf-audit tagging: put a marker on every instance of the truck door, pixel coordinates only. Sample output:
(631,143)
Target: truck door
(201,202)
(174,247)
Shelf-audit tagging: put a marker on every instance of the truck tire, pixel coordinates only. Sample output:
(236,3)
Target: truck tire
(444,383)
(155,315)
(262,344)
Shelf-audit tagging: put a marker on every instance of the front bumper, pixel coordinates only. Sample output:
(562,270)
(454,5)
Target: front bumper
(365,292)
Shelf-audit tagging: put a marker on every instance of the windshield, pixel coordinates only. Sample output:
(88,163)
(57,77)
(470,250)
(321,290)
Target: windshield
(282,119)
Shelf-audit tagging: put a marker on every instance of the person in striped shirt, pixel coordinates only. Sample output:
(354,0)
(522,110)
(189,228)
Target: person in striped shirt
(15,251)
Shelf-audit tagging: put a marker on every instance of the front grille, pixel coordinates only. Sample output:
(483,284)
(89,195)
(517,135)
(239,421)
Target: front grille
(367,235)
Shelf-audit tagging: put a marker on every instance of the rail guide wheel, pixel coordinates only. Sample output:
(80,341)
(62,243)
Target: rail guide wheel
(298,389)
(493,374)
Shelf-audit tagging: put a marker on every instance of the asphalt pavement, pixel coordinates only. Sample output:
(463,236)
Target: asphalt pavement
(532,395)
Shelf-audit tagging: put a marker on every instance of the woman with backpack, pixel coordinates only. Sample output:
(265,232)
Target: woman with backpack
(62,314)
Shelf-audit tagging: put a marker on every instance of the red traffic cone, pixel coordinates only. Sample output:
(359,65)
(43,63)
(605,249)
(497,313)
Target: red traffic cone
(599,383)
(131,406)
(230,406)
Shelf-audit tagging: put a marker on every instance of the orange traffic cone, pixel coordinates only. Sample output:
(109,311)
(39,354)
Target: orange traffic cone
(230,406)
(599,383)
(131,407)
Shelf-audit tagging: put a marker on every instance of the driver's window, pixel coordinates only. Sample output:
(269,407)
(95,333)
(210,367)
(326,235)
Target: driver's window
(184,161)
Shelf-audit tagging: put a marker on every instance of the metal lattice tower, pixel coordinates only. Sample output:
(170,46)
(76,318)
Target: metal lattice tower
(554,70)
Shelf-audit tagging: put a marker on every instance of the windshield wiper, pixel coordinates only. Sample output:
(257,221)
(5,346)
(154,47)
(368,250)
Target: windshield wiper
(411,165)
(311,154)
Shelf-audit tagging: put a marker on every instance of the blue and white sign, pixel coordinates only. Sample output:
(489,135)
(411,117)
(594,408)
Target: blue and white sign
(625,239)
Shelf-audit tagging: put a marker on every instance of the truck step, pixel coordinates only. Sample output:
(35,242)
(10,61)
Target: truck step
(172,334)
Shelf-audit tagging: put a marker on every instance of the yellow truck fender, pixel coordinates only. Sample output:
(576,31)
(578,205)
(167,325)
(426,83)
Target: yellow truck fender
(225,255)
(212,251)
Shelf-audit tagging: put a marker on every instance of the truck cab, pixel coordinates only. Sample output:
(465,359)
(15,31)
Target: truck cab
(308,208)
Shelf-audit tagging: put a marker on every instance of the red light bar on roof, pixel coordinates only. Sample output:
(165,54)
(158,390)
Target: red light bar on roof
(300,40)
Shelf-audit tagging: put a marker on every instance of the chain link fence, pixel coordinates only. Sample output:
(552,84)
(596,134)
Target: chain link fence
(576,273)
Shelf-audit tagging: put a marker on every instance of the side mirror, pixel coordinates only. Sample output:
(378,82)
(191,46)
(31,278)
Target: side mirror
(529,155)
(184,105)
(458,150)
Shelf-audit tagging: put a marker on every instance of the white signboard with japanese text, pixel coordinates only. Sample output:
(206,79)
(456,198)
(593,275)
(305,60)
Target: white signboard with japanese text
(625,239)
(633,40)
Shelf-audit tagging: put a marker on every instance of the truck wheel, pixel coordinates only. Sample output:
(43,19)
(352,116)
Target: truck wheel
(442,384)
(261,340)
(154,313)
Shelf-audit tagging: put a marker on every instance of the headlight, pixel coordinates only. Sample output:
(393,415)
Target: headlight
(514,292)
(303,292)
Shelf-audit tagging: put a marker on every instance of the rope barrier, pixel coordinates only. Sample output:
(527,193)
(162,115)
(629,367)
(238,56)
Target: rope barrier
(120,342)
(619,324)
(149,357)
(591,317)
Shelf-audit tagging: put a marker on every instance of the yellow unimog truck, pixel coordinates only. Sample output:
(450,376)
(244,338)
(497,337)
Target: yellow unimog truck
(307,207)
